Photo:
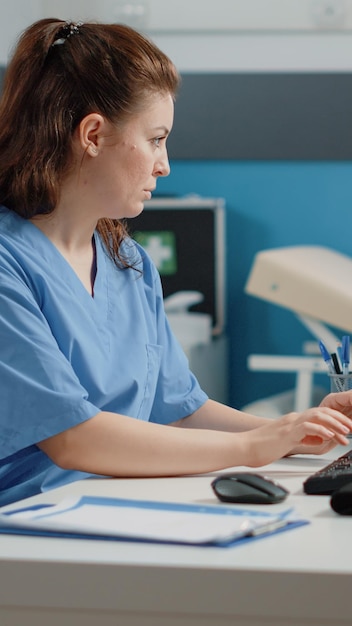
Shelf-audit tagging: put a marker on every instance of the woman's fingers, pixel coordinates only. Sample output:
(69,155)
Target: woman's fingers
(323,435)
(341,401)
(335,414)
(315,433)
(329,418)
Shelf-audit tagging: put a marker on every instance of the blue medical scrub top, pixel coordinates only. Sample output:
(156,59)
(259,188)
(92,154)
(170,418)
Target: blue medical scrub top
(65,355)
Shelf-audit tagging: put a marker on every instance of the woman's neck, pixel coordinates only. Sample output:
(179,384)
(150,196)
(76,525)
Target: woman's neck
(75,242)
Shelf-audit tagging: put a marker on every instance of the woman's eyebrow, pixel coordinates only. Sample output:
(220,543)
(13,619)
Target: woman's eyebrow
(161,129)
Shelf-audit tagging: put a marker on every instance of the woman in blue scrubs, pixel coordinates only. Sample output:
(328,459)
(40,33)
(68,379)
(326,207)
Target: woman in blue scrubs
(92,380)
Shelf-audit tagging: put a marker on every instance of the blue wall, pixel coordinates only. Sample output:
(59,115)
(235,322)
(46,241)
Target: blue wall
(269,204)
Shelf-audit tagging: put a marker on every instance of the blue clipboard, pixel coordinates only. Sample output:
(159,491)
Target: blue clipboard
(49,521)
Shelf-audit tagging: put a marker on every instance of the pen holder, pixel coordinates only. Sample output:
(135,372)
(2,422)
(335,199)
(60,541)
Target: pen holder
(340,382)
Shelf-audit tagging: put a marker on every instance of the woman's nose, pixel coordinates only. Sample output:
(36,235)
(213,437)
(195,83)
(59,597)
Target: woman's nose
(162,166)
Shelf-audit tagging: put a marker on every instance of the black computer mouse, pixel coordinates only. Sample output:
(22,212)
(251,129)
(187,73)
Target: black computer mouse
(248,488)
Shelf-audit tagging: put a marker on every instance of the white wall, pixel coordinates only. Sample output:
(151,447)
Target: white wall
(14,17)
(209,35)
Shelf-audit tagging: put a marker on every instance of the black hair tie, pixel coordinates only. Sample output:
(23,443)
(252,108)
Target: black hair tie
(69,29)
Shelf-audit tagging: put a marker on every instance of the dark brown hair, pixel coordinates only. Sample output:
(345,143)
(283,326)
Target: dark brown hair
(48,89)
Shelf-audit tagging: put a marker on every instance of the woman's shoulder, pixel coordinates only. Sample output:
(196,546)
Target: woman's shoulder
(11,223)
(12,228)
(6,216)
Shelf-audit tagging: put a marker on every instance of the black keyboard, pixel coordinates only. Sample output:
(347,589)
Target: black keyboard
(331,477)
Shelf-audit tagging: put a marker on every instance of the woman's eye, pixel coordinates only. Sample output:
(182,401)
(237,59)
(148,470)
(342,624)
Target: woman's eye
(156,141)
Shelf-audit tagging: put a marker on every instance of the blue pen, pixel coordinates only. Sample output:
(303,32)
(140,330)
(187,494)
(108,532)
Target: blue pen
(345,354)
(327,358)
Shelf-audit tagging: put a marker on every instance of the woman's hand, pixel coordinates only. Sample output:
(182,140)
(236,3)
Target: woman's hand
(341,402)
(314,431)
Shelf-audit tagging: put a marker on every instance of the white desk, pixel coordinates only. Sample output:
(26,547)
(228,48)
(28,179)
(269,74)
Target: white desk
(300,577)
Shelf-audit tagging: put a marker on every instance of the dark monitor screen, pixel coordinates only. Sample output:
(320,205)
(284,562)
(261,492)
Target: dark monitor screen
(185,238)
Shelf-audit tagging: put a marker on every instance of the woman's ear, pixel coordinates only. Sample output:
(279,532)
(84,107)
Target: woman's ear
(91,132)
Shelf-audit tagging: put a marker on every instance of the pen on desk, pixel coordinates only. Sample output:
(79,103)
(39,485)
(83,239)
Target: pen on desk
(327,358)
(345,354)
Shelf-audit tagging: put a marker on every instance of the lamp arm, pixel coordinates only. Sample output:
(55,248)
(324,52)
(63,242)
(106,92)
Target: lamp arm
(320,331)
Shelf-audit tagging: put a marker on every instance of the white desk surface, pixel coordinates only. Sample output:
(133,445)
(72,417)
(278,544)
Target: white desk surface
(300,577)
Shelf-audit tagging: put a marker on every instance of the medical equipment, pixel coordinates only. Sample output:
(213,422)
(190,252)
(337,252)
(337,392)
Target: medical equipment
(315,284)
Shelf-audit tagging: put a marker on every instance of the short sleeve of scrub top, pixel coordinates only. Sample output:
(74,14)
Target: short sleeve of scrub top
(65,355)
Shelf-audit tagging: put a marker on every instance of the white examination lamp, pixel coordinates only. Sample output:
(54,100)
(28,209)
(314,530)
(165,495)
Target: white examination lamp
(316,284)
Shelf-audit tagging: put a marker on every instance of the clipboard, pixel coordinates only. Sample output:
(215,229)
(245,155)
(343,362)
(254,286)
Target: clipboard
(119,519)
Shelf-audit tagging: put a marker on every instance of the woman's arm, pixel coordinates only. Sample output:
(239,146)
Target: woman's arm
(221,417)
(217,416)
(115,445)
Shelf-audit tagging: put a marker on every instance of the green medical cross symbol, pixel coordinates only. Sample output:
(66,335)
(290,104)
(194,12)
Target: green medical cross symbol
(161,246)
